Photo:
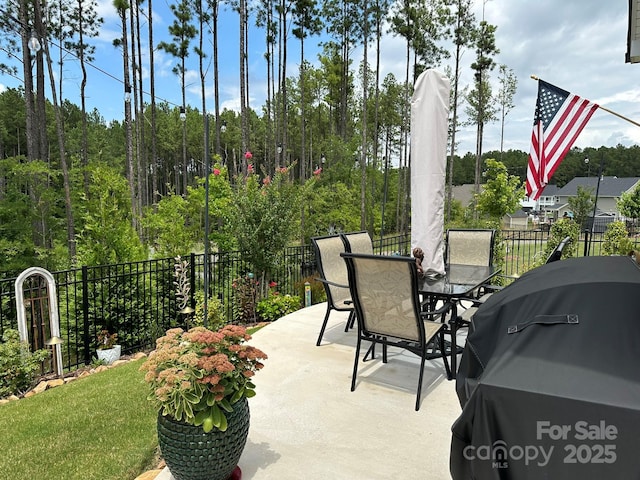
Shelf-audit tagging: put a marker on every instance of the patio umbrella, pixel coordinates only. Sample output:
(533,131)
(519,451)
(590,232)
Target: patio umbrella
(549,380)
(429,131)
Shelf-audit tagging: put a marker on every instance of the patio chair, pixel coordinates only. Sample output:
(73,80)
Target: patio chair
(388,310)
(334,278)
(357,242)
(469,247)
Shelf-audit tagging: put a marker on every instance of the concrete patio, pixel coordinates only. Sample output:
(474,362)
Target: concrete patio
(307,424)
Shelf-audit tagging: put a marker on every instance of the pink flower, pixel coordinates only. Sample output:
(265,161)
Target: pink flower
(250,168)
(272,284)
(317,171)
(248,155)
(266,180)
(216,171)
(283,170)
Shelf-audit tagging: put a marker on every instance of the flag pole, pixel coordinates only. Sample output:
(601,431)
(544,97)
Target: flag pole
(606,110)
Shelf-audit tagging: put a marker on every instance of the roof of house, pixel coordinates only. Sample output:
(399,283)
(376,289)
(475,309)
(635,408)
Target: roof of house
(609,186)
(463,193)
(550,190)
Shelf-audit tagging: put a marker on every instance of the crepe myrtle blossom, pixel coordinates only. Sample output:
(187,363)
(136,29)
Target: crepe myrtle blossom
(317,171)
(248,155)
(250,168)
(216,171)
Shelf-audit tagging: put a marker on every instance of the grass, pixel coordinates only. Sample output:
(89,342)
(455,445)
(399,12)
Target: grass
(97,427)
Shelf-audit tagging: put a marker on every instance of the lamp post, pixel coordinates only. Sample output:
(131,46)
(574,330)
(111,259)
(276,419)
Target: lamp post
(323,160)
(55,342)
(586,162)
(206,220)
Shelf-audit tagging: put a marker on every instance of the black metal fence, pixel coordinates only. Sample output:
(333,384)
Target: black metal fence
(138,299)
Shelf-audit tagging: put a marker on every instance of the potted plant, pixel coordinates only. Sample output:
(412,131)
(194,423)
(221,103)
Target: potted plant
(108,350)
(200,381)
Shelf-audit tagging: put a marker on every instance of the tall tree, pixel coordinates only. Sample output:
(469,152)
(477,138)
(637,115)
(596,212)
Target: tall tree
(83,22)
(121,7)
(182,32)
(306,21)
(463,37)
(482,108)
(508,86)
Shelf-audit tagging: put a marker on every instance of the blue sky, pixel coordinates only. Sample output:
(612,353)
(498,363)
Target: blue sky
(578,45)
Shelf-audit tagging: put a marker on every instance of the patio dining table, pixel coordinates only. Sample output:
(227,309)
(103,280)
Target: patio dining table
(459,281)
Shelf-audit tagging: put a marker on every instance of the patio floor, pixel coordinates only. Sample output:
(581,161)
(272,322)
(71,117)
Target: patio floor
(307,424)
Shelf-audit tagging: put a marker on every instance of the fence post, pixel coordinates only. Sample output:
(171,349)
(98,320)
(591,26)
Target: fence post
(586,243)
(85,314)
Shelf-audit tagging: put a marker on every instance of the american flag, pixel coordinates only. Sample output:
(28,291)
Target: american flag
(559,119)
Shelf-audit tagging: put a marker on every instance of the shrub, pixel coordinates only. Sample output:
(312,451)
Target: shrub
(18,366)
(274,305)
(616,240)
(215,312)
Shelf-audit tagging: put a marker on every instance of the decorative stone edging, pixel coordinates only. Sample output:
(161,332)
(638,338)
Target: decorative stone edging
(55,382)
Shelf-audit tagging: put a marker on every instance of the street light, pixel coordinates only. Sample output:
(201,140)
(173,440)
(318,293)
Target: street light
(127,93)
(323,159)
(586,162)
(183,114)
(34,43)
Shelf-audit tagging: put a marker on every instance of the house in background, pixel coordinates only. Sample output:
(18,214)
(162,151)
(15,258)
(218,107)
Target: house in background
(609,192)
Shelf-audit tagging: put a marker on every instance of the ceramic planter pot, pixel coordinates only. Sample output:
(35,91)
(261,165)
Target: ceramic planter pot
(109,355)
(192,454)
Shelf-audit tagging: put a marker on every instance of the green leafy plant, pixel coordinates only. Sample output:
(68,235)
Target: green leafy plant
(616,240)
(107,340)
(196,376)
(565,227)
(215,312)
(18,365)
(275,305)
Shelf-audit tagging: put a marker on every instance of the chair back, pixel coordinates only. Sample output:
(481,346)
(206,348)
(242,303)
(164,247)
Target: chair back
(385,292)
(470,246)
(357,242)
(332,267)
(557,252)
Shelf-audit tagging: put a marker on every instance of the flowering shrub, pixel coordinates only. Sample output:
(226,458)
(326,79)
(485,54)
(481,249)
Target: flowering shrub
(196,376)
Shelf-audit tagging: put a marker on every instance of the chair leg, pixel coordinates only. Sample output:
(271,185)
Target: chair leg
(444,355)
(355,366)
(324,325)
(420,377)
(350,320)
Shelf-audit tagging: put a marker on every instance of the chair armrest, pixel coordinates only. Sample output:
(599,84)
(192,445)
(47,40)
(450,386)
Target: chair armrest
(439,311)
(327,282)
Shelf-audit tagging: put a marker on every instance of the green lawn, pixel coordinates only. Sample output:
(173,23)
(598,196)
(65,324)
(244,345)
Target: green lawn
(97,427)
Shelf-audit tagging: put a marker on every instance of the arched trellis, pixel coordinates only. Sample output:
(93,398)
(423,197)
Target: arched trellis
(54,323)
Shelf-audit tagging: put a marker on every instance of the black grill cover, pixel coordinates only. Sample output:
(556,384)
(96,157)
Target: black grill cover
(549,379)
